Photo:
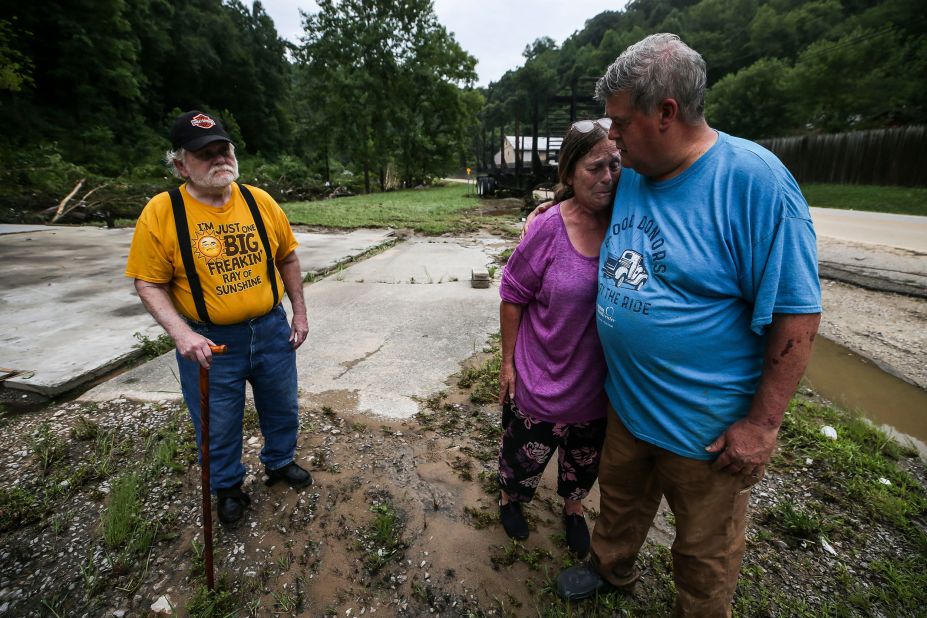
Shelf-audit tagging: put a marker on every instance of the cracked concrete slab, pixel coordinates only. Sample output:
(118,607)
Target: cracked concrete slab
(70,315)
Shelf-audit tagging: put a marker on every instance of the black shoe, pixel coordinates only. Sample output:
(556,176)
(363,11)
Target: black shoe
(294,476)
(231,503)
(513,520)
(577,534)
(582,581)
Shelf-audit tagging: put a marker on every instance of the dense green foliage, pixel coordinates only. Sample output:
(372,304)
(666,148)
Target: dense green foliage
(88,90)
(775,67)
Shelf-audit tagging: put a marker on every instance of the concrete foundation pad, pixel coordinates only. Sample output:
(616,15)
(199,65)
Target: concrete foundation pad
(376,339)
(69,314)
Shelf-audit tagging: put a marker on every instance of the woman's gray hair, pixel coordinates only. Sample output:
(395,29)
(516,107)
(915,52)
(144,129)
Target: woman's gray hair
(659,67)
(174,155)
(575,146)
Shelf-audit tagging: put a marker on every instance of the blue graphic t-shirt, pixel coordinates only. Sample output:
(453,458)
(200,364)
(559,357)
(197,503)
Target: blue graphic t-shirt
(690,274)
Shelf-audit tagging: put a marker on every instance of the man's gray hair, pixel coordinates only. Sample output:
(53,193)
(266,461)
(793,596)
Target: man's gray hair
(658,67)
(174,155)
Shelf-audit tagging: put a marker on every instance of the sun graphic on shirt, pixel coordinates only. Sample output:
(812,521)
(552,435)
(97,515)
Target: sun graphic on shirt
(207,247)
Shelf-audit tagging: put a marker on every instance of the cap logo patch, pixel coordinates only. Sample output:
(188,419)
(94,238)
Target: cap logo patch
(202,121)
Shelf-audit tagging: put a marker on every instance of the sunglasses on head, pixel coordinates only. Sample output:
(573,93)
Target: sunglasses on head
(584,126)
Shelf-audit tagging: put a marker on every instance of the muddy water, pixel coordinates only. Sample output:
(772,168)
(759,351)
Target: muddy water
(856,383)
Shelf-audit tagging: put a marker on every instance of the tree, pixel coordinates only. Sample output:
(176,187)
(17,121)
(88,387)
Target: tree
(386,77)
(752,103)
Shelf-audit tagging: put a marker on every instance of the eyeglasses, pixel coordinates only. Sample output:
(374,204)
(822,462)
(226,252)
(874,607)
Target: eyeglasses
(584,126)
(208,154)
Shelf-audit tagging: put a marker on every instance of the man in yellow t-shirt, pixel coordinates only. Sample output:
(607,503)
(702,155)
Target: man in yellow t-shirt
(209,260)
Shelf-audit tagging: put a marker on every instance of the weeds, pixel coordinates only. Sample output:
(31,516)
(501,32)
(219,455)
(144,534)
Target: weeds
(84,429)
(121,524)
(152,348)
(48,447)
(17,508)
(383,538)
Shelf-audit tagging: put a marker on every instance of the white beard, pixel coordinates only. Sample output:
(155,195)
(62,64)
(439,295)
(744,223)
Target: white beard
(218,176)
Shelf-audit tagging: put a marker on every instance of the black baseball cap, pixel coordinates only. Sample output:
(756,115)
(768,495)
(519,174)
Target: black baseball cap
(194,130)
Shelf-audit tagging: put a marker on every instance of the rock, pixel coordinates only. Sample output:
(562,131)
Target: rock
(162,606)
(829,432)
(119,613)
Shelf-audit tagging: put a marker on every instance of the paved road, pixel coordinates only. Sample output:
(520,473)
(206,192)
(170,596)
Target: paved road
(877,228)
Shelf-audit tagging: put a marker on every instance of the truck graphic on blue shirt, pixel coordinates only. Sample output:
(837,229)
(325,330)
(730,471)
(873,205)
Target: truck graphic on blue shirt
(627,270)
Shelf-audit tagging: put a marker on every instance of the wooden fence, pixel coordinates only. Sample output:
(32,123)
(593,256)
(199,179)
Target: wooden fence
(879,157)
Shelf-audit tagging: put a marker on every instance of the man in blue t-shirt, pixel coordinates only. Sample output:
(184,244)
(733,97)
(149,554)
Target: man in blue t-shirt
(707,305)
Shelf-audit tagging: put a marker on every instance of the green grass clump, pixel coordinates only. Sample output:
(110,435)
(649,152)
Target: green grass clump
(152,348)
(436,210)
(121,523)
(18,507)
(48,447)
(484,379)
(860,468)
(382,539)
(873,198)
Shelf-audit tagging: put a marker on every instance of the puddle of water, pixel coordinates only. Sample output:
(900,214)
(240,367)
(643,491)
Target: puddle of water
(855,383)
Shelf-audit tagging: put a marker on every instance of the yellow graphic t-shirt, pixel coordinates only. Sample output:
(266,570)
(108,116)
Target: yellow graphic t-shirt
(227,251)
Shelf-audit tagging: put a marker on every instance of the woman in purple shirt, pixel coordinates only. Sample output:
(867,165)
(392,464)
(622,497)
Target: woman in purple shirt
(553,370)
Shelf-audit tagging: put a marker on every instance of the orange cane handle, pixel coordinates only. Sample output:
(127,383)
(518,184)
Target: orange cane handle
(218,349)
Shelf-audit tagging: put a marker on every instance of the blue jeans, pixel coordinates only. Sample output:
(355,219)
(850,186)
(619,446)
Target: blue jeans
(259,351)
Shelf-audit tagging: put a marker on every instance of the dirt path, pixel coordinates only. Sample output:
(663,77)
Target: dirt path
(890,329)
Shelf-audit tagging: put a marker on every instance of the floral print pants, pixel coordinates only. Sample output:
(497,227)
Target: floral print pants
(528,444)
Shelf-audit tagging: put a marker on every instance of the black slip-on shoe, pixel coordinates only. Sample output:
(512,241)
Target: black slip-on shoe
(582,581)
(230,505)
(292,474)
(577,534)
(513,520)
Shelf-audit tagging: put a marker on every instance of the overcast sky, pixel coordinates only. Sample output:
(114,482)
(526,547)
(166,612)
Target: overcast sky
(495,32)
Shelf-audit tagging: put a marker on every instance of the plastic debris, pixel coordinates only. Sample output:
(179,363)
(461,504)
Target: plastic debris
(829,432)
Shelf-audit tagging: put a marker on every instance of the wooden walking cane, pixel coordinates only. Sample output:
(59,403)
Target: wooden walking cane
(204,466)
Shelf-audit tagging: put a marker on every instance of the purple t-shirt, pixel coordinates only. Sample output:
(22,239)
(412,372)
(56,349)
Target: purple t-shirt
(558,358)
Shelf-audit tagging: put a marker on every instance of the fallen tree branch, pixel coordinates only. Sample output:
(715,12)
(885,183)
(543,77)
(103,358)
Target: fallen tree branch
(60,211)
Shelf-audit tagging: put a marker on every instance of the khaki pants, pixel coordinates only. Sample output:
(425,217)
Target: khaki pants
(710,509)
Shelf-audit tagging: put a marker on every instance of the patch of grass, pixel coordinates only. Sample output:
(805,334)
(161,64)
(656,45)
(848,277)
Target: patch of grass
(18,507)
(796,522)
(874,198)
(463,467)
(152,348)
(489,481)
(121,523)
(48,447)
(859,470)
(84,429)
(481,518)
(514,551)
(436,210)
(217,603)
(503,257)
(382,539)
(484,380)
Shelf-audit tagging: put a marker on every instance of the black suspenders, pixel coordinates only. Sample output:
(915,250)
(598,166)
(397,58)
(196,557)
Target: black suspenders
(186,253)
(262,232)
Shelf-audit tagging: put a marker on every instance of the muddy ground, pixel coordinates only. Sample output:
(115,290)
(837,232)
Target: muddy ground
(401,519)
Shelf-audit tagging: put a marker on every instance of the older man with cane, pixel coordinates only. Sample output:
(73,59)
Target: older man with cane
(708,301)
(209,260)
